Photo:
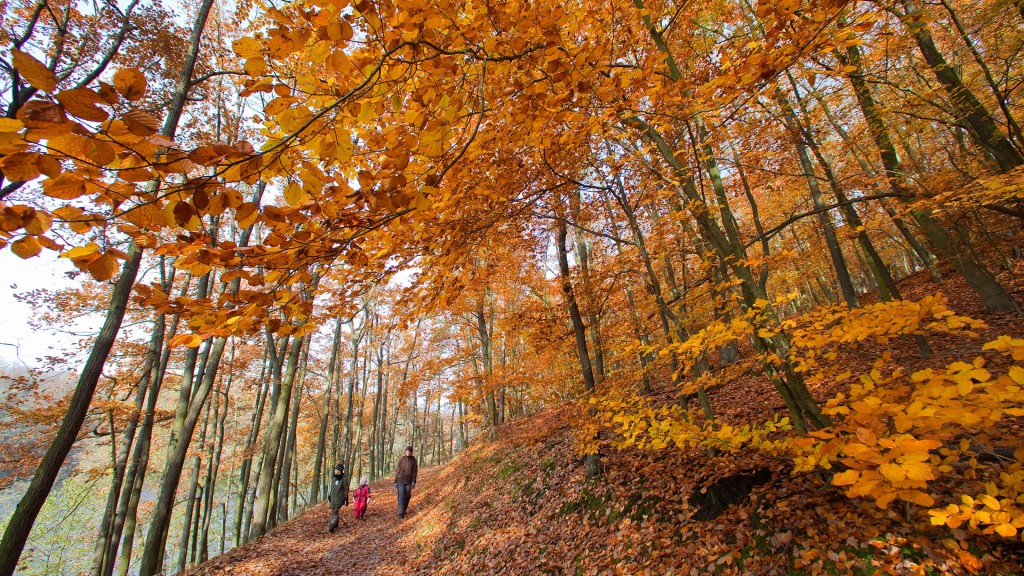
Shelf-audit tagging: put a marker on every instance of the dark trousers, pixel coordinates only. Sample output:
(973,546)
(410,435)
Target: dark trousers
(404,494)
(333,524)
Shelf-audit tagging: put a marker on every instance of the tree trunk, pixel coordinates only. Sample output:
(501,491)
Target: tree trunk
(321,447)
(20,524)
(246,466)
(102,553)
(993,295)
(580,331)
(213,467)
(971,113)
(272,442)
(825,218)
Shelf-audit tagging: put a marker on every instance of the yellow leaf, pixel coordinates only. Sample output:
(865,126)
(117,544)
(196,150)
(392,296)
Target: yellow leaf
(1017,374)
(989,501)
(892,472)
(918,471)
(255,66)
(294,195)
(917,497)
(10,125)
(187,340)
(278,105)
(1006,530)
(26,247)
(247,47)
(33,71)
(79,252)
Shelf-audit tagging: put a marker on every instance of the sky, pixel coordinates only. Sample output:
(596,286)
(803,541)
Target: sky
(19,344)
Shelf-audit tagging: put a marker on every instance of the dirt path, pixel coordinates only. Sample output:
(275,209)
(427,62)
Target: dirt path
(379,543)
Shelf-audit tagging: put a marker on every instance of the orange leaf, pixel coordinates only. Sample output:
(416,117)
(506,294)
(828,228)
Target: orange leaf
(26,247)
(141,123)
(34,71)
(103,268)
(49,165)
(130,83)
(246,214)
(20,167)
(109,94)
(187,340)
(82,102)
(38,223)
(67,186)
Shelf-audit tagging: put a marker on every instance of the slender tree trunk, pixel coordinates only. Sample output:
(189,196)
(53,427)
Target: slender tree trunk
(593,460)
(213,466)
(992,294)
(321,447)
(825,218)
(20,524)
(356,339)
(273,441)
(778,343)
(593,314)
(289,443)
(102,554)
(639,331)
(125,519)
(970,111)
(250,441)
(920,252)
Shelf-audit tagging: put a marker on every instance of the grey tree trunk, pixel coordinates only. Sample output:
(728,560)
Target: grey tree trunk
(992,294)
(580,331)
(321,447)
(18,527)
(272,443)
(970,111)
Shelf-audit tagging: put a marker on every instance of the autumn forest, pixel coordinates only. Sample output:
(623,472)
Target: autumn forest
(649,286)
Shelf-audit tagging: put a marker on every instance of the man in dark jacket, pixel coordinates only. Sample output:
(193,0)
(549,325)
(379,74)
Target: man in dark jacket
(405,480)
(338,495)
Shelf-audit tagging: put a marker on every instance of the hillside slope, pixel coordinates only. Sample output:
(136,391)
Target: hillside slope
(521,505)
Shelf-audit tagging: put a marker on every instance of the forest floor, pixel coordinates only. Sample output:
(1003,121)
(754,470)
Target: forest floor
(378,543)
(521,504)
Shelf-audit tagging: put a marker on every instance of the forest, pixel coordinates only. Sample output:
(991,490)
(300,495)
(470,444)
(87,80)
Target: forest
(649,286)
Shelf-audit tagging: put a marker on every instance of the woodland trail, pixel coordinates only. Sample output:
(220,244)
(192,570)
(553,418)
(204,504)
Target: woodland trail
(379,543)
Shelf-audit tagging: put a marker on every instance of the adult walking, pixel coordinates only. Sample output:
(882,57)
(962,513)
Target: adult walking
(338,495)
(405,480)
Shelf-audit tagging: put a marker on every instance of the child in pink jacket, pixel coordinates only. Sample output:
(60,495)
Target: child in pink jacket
(361,497)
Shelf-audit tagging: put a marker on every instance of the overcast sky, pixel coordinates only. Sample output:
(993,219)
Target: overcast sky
(17,340)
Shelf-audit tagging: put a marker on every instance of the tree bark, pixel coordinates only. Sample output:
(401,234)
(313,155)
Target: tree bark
(272,443)
(18,527)
(993,295)
(970,111)
(579,330)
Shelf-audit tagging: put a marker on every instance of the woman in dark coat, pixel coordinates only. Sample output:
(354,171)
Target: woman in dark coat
(337,496)
(405,480)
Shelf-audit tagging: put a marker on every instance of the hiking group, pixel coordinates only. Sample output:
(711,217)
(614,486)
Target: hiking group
(405,481)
